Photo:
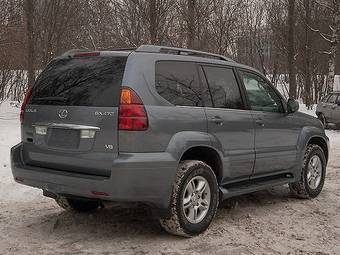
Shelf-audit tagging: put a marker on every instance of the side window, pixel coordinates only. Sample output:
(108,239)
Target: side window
(332,98)
(262,96)
(178,83)
(223,86)
(338,100)
(325,98)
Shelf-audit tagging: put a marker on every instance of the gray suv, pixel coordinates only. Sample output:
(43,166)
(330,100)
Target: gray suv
(176,129)
(328,109)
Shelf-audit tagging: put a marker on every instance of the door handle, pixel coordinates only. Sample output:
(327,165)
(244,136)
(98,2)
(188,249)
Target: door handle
(259,122)
(217,120)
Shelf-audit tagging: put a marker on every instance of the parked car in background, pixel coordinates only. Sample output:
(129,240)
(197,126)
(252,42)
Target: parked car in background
(328,109)
(177,129)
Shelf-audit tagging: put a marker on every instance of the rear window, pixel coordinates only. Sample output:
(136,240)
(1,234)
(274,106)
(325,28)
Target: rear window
(83,81)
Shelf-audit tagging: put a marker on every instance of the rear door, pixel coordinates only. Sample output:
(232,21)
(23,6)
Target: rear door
(230,123)
(71,120)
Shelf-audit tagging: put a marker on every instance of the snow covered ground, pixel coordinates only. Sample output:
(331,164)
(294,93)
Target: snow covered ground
(266,222)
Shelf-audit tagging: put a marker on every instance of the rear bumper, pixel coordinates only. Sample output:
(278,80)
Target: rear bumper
(135,177)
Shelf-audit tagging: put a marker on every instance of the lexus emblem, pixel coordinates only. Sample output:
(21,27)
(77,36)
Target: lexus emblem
(62,113)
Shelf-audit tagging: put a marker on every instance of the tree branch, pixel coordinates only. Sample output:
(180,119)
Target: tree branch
(325,5)
(323,35)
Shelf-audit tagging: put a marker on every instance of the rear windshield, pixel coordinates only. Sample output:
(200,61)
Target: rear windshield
(83,81)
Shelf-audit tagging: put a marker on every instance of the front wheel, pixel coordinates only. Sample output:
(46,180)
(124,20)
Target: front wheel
(194,200)
(313,174)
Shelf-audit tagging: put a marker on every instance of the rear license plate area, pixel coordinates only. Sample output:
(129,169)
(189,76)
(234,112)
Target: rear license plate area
(63,138)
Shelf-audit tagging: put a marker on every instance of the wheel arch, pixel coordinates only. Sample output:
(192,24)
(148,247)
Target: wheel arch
(320,141)
(208,155)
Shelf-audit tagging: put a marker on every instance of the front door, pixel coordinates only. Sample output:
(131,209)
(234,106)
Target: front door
(335,111)
(276,133)
(328,107)
(229,123)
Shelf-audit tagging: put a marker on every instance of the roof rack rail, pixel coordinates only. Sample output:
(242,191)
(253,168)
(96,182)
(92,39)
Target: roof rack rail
(124,49)
(72,51)
(180,51)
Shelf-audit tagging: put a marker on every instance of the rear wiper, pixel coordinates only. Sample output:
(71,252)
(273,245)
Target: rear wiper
(55,99)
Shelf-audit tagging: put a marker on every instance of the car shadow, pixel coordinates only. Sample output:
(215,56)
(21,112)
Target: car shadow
(122,219)
(127,220)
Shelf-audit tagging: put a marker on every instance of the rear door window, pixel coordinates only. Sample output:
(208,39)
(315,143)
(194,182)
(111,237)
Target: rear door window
(83,81)
(325,98)
(178,83)
(224,88)
(338,100)
(332,99)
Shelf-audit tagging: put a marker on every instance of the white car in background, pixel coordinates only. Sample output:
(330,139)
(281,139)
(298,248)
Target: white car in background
(328,109)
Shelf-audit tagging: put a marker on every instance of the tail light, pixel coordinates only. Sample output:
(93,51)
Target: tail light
(24,103)
(132,113)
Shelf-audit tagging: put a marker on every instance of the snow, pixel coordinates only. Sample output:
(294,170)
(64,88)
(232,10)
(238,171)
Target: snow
(304,109)
(9,136)
(265,222)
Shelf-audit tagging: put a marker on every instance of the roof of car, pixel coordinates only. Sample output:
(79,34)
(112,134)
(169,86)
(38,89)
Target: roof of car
(181,54)
(156,49)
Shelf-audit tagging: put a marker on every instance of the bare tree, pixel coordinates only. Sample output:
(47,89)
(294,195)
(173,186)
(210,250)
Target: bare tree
(224,23)
(308,54)
(291,48)
(275,36)
(333,39)
(191,23)
(29,14)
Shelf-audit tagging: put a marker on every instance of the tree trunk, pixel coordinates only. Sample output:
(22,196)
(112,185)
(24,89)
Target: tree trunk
(331,69)
(335,28)
(308,55)
(153,21)
(191,24)
(291,49)
(29,14)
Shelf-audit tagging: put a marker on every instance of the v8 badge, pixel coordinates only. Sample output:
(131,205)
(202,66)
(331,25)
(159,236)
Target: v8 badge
(109,146)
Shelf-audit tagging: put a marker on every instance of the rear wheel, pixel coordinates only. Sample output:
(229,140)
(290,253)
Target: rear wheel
(78,205)
(194,201)
(313,174)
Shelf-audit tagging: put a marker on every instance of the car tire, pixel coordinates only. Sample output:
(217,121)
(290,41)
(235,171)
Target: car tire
(313,174)
(323,120)
(194,200)
(77,205)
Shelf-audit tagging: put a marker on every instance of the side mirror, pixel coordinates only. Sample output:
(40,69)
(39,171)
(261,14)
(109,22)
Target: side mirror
(292,105)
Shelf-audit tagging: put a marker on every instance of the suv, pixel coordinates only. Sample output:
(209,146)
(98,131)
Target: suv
(328,109)
(177,129)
